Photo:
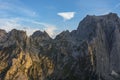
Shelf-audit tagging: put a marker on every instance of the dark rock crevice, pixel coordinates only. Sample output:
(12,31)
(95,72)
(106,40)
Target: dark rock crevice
(89,53)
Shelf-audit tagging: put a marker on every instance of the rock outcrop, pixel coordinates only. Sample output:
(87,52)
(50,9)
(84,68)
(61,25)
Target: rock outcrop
(92,52)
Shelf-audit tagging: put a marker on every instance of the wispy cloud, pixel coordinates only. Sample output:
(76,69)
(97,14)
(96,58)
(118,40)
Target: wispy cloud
(96,7)
(116,8)
(117,5)
(66,15)
(21,24)
(9,24)
(51,30)
(11,16)
(18,9)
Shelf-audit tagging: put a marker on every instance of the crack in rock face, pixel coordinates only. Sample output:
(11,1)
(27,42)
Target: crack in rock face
(92,52)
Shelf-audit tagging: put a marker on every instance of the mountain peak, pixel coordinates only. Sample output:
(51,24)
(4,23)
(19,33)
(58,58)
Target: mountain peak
(40,33)
(112,14)
(108,16)
(92,52)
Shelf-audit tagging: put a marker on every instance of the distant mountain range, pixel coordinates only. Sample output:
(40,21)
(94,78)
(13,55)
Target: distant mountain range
(91,52)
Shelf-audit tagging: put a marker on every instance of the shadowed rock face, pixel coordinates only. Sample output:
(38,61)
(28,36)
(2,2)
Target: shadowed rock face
(92,52)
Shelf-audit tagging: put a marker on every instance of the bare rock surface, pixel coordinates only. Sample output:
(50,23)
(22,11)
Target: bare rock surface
(91,52)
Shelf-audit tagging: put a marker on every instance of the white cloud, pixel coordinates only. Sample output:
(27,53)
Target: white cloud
(8,24)
(50,29)
(16,23)
(30,30)
(66,15)
(9,8)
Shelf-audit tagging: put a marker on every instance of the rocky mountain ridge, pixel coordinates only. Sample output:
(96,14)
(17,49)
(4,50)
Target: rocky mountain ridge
(92,52)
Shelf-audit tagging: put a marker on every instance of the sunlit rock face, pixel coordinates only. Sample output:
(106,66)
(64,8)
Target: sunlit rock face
(20,58)
(92,52)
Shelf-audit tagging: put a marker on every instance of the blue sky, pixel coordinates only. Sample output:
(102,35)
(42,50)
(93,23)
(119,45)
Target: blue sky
(52,16)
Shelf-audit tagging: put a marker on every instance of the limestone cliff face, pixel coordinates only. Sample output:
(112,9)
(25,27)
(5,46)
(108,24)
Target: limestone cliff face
(92,52)
(19,60)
